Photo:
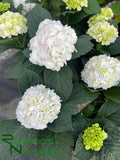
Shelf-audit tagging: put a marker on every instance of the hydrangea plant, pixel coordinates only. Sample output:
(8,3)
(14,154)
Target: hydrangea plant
(68,73)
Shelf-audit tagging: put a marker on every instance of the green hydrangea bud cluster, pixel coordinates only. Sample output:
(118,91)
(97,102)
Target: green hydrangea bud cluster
(93,137)
(103,32)
(76,4)
(12,24)
(100,29)
(106,14)
(4,7)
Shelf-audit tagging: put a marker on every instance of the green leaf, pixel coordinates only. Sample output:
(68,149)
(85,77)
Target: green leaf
(111,111)
(16,69)
(83,46)
(81,95)
(54,8)
(8,71)
(26,52)
(88,110)
(107,109)
(14,128)
(77,17)
(21,62)
(9,41)
(113,22)
(34,17)
(15,42)
(111,146)
(63,122)
(60,81)
(20,8)
(113,94)
(6,44)
(102,49)
(19,57)
(31,1)
(115,8)
(114,48)
(35,68)
(93,7)
(80,123)
(80,151)
(28,79)
(3,48)
(60,149)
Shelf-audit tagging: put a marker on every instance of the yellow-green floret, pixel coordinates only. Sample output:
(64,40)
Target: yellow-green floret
(93,137)
(4,7)
(76,4)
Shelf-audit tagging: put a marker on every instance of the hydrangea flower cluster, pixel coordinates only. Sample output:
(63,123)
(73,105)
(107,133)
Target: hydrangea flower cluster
(101,30)
(93,137)
(26,6)
(101,72)
(53,45)
(4,7)
(38,107)
(76,4)
(12,24)
(106,14)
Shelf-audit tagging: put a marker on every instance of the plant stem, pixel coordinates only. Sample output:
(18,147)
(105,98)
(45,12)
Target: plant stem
(67,20)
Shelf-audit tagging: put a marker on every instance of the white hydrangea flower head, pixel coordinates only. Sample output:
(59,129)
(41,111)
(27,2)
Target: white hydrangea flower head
(101,72)
(26,6)
(76,4)
(106,14)
(38,107)
(53,45)
(12,24)
(103,32)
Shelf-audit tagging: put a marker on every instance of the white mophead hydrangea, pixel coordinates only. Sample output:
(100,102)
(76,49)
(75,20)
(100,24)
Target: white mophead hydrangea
(101,72)
(53,45)
(26,6)
(103,32)
(38,107)
(12,24)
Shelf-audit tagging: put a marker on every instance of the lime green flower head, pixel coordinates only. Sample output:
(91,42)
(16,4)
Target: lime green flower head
(106,14)
(4,7)
(103,32)
(76,4)
(96,19)
(12,24)
(93,137)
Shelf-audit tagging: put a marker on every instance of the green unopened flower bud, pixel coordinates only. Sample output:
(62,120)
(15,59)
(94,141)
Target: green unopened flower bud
(106,14)
(4,7)
(76,4)
(103,33)
(93,137)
